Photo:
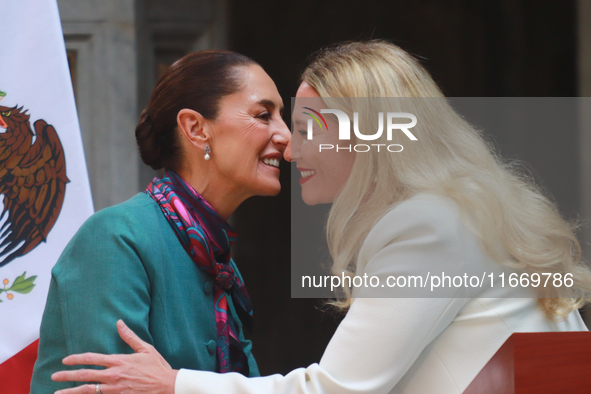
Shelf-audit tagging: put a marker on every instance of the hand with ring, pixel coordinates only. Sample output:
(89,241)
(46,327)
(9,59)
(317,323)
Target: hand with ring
(145,371)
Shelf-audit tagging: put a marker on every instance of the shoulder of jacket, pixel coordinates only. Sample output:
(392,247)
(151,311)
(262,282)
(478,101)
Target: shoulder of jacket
(130,225)
(133,219)
(138,208)
(424,214)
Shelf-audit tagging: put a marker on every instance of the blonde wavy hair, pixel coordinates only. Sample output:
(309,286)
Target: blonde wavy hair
(453,160)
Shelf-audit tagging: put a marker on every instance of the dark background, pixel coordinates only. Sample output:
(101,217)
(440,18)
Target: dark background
(472,48)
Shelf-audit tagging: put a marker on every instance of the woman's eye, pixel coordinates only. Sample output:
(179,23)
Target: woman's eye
(303,132)
(265,116)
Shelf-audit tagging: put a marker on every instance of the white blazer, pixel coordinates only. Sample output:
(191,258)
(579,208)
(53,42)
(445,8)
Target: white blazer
(408,345)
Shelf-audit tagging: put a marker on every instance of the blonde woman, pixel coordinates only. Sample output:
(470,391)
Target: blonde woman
(446,203)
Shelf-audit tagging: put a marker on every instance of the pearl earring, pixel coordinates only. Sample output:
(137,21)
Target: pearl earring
(207,151)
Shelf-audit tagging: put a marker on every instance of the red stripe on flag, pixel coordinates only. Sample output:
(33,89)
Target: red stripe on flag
(16,372)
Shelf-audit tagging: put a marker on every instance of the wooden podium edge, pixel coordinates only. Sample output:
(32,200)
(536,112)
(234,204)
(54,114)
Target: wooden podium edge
(538,362)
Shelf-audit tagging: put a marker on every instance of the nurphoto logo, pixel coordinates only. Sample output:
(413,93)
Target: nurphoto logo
(345,129)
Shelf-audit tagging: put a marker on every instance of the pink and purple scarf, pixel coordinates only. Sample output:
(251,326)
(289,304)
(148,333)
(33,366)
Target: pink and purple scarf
(207,238)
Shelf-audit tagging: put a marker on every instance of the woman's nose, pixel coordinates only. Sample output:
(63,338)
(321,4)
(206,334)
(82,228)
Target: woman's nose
(293,151)
(287,153)
(282,136)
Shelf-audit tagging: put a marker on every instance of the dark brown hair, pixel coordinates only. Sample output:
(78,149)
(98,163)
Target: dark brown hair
(197,81)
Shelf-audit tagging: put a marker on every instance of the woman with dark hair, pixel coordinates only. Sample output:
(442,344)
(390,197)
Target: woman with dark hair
(162,259)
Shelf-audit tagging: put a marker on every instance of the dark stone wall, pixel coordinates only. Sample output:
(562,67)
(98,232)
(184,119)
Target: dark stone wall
(471,47)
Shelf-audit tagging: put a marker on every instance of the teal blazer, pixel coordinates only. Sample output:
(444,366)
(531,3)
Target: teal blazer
(126,262)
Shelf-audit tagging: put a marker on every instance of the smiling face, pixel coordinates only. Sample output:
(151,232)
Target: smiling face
(249,136)
(323,174)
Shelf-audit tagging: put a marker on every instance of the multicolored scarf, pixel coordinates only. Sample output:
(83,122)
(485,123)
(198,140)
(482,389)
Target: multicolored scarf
(207,238)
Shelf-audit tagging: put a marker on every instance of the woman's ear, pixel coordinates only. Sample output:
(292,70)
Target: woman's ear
(193,128)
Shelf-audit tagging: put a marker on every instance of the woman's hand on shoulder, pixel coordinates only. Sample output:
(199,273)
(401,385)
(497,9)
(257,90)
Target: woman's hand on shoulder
(145,371)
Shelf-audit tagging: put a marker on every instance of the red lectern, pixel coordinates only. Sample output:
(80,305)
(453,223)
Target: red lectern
(540,362)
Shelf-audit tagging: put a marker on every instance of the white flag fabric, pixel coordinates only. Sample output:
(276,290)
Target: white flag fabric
(44,189)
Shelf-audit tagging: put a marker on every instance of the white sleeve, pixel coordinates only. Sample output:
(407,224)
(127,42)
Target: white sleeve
(380,338)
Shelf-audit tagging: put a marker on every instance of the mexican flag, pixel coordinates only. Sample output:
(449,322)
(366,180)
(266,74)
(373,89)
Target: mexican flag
(44,188)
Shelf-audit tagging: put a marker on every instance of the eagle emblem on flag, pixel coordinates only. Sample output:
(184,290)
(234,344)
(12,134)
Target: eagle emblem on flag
(32,181)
